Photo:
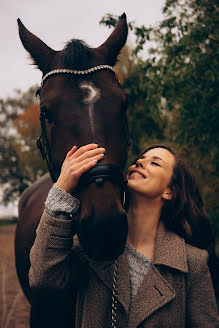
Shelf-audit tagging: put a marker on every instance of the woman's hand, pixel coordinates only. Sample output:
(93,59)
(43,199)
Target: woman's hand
(76,163)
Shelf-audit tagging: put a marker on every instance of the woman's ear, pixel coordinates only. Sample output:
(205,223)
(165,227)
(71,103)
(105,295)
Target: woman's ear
(168,194)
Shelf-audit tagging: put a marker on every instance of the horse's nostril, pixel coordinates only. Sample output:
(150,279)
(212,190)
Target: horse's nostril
(103,238)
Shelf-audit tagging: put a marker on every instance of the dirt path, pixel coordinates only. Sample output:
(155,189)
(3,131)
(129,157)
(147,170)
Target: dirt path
(14,308)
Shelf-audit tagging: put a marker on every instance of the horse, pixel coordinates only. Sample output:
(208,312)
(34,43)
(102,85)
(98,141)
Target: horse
(81,102)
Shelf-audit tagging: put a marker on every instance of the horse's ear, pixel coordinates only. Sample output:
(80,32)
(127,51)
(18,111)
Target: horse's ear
(39,51)
(112,46)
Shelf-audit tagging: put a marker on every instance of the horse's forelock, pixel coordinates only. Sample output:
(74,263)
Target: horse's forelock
(76,55)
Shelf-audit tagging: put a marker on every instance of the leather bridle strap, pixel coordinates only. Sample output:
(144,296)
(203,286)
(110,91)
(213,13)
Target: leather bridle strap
(99,173)
(43,145)
(102,172)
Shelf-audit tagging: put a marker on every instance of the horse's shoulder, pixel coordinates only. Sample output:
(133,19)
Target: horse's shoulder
(37,189)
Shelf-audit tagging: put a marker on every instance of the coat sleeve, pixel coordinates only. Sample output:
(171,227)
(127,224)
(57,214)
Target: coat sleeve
(54,264)
(201,303)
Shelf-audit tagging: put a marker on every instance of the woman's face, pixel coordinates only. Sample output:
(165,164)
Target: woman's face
(151,174)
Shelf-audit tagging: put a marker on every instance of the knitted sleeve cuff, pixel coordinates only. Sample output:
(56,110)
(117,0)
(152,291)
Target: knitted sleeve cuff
(61,204)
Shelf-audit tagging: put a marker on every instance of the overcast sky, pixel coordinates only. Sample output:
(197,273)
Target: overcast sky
(56,22)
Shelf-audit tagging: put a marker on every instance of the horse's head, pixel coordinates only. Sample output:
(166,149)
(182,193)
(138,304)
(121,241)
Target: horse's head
(77,109)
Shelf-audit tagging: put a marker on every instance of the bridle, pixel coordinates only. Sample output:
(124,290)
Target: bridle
(43,145)
(100,172)
(75,72)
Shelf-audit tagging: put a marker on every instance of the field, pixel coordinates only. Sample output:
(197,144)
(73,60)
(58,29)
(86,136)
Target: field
(14,308)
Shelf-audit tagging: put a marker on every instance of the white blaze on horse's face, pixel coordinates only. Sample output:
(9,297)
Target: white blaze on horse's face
(93,94)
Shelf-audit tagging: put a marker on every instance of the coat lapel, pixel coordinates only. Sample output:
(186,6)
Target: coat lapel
(155,291)
(170,249)
(124,288)
(105,272)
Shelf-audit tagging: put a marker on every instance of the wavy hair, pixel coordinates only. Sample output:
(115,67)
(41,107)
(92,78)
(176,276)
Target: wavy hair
(184,214)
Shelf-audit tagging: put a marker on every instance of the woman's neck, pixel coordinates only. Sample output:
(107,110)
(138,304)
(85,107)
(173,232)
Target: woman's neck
(143,219)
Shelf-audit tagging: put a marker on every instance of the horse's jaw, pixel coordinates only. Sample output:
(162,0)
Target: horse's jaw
(103,239)
(103,226)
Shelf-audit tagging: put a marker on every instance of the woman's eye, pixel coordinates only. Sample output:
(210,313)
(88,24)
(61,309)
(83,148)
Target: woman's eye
(155,163)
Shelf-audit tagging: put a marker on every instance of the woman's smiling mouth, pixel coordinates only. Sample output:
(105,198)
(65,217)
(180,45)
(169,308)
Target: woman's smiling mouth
(135,174)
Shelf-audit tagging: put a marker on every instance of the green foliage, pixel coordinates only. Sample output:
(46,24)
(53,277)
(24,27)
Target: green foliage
(145,121)
(142,34)
(173,93)
(172,97)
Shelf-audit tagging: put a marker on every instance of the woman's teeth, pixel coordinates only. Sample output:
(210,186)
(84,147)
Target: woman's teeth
(136,175)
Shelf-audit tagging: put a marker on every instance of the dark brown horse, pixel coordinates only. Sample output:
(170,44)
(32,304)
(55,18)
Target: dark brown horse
(77,109)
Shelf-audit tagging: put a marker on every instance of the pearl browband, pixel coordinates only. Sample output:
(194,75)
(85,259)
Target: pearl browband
(73,71)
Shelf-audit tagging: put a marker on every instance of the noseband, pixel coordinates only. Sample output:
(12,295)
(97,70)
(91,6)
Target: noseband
(100,172)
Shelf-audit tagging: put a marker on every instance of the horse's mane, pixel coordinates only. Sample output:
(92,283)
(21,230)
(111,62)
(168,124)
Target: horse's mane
(76,55)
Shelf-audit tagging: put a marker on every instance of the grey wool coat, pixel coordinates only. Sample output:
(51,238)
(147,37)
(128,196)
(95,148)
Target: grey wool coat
(177,291)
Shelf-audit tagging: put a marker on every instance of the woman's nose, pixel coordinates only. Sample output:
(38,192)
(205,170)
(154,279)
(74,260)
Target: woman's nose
(139,163)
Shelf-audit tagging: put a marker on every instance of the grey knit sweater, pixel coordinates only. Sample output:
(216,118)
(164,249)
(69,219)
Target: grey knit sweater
(61,204)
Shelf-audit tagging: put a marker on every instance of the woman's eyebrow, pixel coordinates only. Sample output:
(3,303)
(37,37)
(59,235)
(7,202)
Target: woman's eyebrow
(155,157)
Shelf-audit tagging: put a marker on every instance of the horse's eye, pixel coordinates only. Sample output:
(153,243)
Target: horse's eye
(47,114)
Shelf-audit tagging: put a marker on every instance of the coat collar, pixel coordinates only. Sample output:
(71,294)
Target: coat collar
(154,292)
(105,271)
(170,249)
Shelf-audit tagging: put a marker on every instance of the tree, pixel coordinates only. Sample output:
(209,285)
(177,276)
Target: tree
(28,127)
(172,97)
(20,161)
(139,83)
(180,76)
(174,91)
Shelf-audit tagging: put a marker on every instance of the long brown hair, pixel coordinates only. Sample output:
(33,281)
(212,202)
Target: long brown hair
(184,213)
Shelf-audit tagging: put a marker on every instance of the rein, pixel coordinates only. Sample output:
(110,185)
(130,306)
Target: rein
(97,174)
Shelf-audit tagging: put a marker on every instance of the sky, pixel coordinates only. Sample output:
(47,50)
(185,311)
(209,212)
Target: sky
(56,22)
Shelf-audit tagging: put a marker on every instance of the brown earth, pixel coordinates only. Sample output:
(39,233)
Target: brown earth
(14,308)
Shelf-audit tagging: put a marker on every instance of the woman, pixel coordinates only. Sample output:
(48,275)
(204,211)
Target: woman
(162,278)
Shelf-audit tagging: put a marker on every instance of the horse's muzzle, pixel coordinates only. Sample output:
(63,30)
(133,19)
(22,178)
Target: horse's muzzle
(103,238)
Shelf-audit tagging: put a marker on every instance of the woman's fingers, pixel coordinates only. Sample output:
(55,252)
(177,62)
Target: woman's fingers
(86,167)
(75,168)
(83,152)
(71,151)
(86,161)
(75,165)
(84,149)
(88,154)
